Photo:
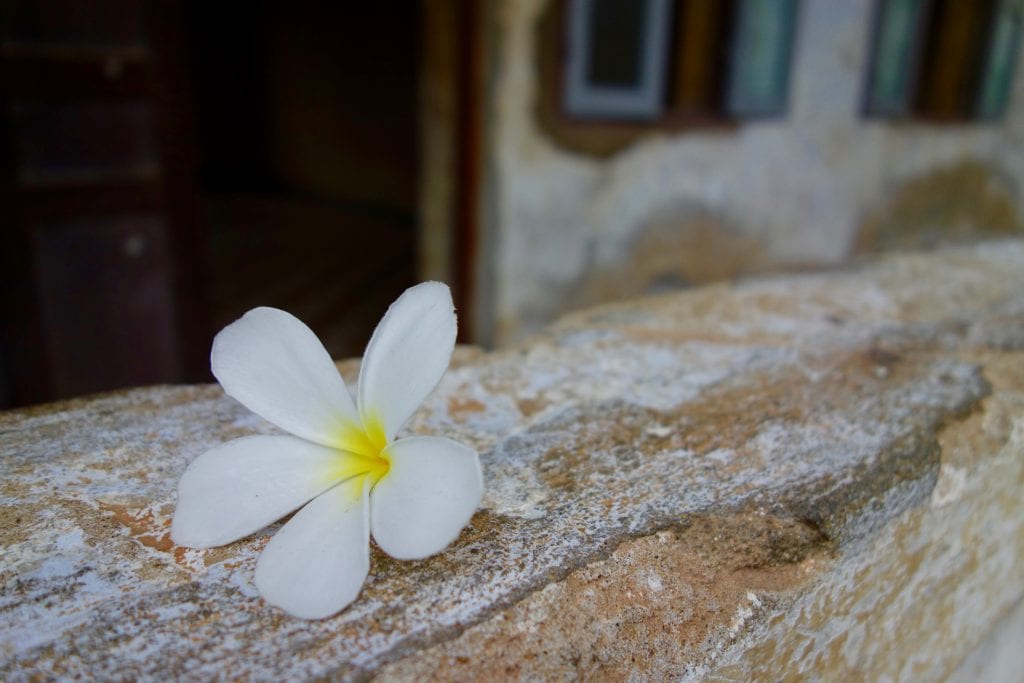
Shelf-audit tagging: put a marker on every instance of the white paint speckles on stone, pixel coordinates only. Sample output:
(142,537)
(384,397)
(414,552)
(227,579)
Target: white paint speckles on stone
(515,491)
(653,581)
(950,486)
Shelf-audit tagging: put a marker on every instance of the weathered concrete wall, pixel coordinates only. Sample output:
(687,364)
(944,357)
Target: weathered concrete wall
(807,189)
(801,476)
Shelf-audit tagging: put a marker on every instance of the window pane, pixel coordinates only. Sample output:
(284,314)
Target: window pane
(1000,59)
(616,42)
(760,56)
(895,57)
(616,58)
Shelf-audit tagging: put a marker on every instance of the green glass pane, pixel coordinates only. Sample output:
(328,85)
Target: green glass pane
(893,64)
(1000,60)
(760,57)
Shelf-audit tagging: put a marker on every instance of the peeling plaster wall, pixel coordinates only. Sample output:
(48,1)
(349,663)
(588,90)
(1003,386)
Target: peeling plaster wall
(800,188)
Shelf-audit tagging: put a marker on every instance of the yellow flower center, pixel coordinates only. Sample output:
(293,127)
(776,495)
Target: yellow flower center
(361,451)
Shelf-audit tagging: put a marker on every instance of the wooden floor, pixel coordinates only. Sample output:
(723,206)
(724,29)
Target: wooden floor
(335,268)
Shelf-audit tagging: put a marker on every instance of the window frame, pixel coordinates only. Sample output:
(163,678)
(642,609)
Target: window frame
(643,102)
(956,62)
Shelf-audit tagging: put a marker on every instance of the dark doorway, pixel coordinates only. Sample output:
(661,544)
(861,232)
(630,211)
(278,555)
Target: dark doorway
(164,167)
(307,116)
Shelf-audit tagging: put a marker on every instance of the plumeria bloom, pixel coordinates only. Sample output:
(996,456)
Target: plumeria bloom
(341,464)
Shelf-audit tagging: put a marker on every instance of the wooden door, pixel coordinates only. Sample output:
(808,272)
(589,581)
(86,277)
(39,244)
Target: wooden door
(100,238)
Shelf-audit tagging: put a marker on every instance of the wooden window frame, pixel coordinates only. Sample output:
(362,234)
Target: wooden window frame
(946,63)
(698,63)
(643,101)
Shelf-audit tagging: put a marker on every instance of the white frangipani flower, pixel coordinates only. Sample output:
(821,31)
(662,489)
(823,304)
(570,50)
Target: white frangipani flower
(343,466)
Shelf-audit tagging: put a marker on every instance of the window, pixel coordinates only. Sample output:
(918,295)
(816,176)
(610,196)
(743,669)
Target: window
(616,66)
(672,61)
(943,60)
(999,60)
(762,41)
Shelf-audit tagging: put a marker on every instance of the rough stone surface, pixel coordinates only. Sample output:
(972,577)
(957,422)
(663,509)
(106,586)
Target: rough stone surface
(803,476)
(999,657)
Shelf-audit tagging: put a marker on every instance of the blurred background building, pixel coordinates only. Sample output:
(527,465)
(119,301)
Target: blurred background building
(169,165)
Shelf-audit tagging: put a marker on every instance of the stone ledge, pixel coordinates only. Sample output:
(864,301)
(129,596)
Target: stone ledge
(813,474)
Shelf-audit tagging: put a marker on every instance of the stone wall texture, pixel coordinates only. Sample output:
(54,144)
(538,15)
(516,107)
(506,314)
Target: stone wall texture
(808,476)
(696,205)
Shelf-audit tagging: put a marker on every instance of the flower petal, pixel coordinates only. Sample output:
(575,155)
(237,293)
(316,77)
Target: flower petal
(317,563)
(276,367)
(432,489)
(240,487)
(406,357)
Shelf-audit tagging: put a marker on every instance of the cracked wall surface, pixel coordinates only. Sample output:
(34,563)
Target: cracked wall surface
(790,476)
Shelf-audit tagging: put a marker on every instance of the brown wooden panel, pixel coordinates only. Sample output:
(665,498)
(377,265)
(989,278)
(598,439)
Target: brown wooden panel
(85,142)
(187,233)
(101,278)
(57,203)
(74,22)
(699,53)
(952,58)
(21,336)
(105,292)
(60,72)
